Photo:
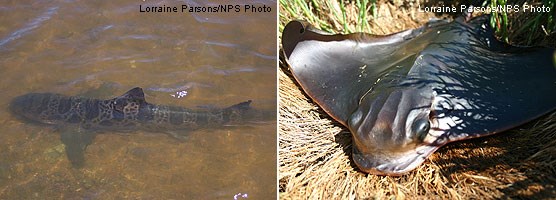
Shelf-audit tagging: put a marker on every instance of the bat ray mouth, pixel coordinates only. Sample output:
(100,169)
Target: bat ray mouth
(391,163)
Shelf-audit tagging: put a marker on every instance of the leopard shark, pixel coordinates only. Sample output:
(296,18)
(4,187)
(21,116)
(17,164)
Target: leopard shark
(82,118)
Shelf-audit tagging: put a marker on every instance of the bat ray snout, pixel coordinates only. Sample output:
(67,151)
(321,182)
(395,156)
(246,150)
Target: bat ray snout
(389,131)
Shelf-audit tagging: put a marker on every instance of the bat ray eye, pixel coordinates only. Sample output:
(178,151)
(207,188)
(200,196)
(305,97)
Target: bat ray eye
(421,128)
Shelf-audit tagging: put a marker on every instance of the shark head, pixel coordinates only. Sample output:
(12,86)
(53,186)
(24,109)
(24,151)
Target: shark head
(36,107)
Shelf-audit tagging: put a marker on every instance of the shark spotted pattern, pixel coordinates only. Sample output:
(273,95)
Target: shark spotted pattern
(127,112)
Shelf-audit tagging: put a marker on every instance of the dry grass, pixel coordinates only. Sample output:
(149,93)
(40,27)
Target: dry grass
(314,150)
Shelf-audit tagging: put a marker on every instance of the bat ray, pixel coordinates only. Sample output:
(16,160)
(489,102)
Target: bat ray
(80,118)
(404,95)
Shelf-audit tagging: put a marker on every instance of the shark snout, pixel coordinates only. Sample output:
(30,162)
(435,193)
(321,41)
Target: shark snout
(29,105)
(18,104)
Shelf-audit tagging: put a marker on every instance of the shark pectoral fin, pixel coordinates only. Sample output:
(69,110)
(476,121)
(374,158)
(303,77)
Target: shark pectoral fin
(76,142)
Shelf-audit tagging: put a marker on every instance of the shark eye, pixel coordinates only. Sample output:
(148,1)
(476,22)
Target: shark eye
(421,128)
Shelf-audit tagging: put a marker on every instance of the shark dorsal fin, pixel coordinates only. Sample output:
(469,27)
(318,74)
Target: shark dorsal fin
(135,94)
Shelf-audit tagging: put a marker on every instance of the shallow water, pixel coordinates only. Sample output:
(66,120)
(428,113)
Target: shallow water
(103,49)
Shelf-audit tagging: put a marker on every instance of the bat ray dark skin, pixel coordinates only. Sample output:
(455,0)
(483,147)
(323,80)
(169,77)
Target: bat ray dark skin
(127,112)
(404,95)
